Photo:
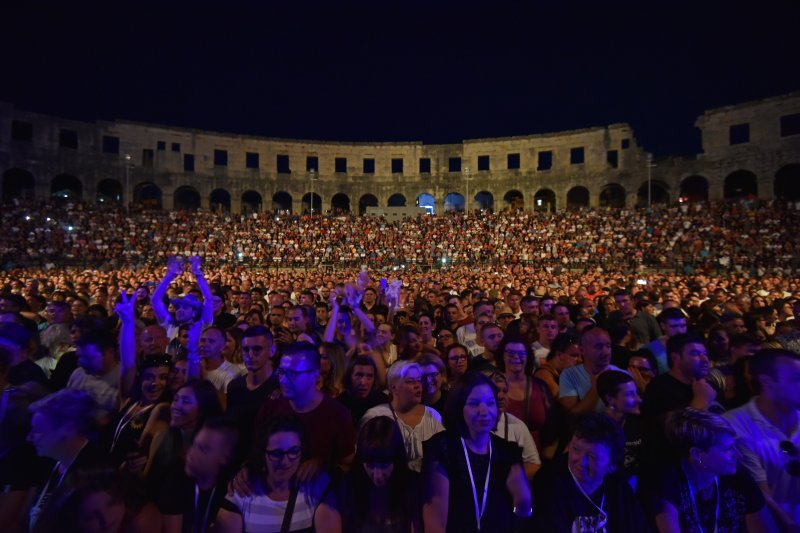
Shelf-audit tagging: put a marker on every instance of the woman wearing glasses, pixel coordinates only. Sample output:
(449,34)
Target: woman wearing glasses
(280,502)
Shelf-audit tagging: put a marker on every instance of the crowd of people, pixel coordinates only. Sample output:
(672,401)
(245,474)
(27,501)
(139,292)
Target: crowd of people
(715,236)
(541,380)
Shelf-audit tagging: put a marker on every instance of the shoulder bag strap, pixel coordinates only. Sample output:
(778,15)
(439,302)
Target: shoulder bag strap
(287,515)
(527,401)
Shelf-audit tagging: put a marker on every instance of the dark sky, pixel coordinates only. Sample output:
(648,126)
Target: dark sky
(387,71)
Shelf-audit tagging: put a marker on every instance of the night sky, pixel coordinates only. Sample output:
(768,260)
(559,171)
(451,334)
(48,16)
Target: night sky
(391,71)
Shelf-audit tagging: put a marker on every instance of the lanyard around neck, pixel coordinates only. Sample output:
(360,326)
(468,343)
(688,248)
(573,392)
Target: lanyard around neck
(694,501)
(478,510)
(204,524)
(603,514)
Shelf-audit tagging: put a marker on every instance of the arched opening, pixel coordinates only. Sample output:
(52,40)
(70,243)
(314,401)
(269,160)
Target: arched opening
(513,200)
(281,202)
(220,201)
(427,202)
(312,202)
(18,184)
(396,200)
(544,200)
(66,187)
(368,200)
(659,193)
(453,202)
(741,184)
(148,195)
(186,198)
(612,195)
(577,197)
(251,202)
(484,200)
(694,189)
(109,191)
(787,183)
(340,204)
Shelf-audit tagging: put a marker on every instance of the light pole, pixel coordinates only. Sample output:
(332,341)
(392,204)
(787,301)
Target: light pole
(649,179)
(312,175)
(467,179)
(127,199)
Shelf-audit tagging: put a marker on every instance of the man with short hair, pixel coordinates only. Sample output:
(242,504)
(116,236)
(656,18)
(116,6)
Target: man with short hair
(215,368)
(222,318)
(672,322)
(467,334)
(248,392)
(330,433)
(577,386)
(644,327)
(768,433)
(153,341)
(489,338)
(98,372)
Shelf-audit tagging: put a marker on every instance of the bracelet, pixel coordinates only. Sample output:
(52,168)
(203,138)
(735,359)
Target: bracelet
(527,513)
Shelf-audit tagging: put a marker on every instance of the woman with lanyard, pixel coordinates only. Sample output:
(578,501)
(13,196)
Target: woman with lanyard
(528,397)
(150,394)
(280,501)
(474,479)
(580,491)
(704,492)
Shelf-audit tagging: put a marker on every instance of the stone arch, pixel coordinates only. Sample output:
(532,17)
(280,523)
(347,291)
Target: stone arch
(186,198)
(577,197)
(307,200)
(694,189)
(66,187)
(340,203)
(544,200)
(659,193)
(220,200)
(148,195)
(18,183)
(109,191)
(396,200)
(787,183)
(740,184)
(427,202)
(612,195)
(282,202)
(251,202)
(454,202)
(484,200)
(367,200)
(514,200)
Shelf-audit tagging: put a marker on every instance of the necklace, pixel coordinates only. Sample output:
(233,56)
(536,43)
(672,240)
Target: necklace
(478,510)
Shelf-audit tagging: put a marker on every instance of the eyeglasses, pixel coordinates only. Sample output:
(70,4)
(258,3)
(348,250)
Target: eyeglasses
(278,454)
(793,464)
(291,375)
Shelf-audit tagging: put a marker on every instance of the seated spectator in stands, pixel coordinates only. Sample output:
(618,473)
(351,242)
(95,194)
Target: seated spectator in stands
(382,494)
(582,490)
(418,422)
(468,450)
(191,502)
(281,500)
(564,353)
(361,391)
(61,427)
(704,490)
(618,391)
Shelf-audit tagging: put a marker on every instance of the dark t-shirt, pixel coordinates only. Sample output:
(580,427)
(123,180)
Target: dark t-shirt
(330,433)
(243,403)
(558,502)
(26,371)
(738,496)
(178,498)
(445,448)
(357,407)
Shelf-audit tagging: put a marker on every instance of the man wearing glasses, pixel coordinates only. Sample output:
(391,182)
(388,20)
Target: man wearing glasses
(768,433)
(329,428)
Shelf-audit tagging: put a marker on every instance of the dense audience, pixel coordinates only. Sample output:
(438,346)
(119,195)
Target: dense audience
(556,372)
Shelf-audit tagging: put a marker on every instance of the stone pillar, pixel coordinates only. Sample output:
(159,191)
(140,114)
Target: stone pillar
(236,204)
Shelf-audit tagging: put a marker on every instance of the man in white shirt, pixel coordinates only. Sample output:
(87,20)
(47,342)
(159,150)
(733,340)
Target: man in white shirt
(215,368)
(768,433)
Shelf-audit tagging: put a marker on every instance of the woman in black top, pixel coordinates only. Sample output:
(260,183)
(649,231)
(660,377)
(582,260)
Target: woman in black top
(474,479)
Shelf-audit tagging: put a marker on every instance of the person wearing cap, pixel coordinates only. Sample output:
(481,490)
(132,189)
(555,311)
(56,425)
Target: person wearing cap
(188,308)
(504,316)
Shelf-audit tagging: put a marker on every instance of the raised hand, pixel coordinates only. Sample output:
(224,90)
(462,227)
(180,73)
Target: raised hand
(174,266)
(197,265)
(352,295)
(126,308)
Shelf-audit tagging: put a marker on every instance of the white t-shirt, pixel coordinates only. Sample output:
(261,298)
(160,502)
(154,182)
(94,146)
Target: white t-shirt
(222,376)
(518,432)
(430,425)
